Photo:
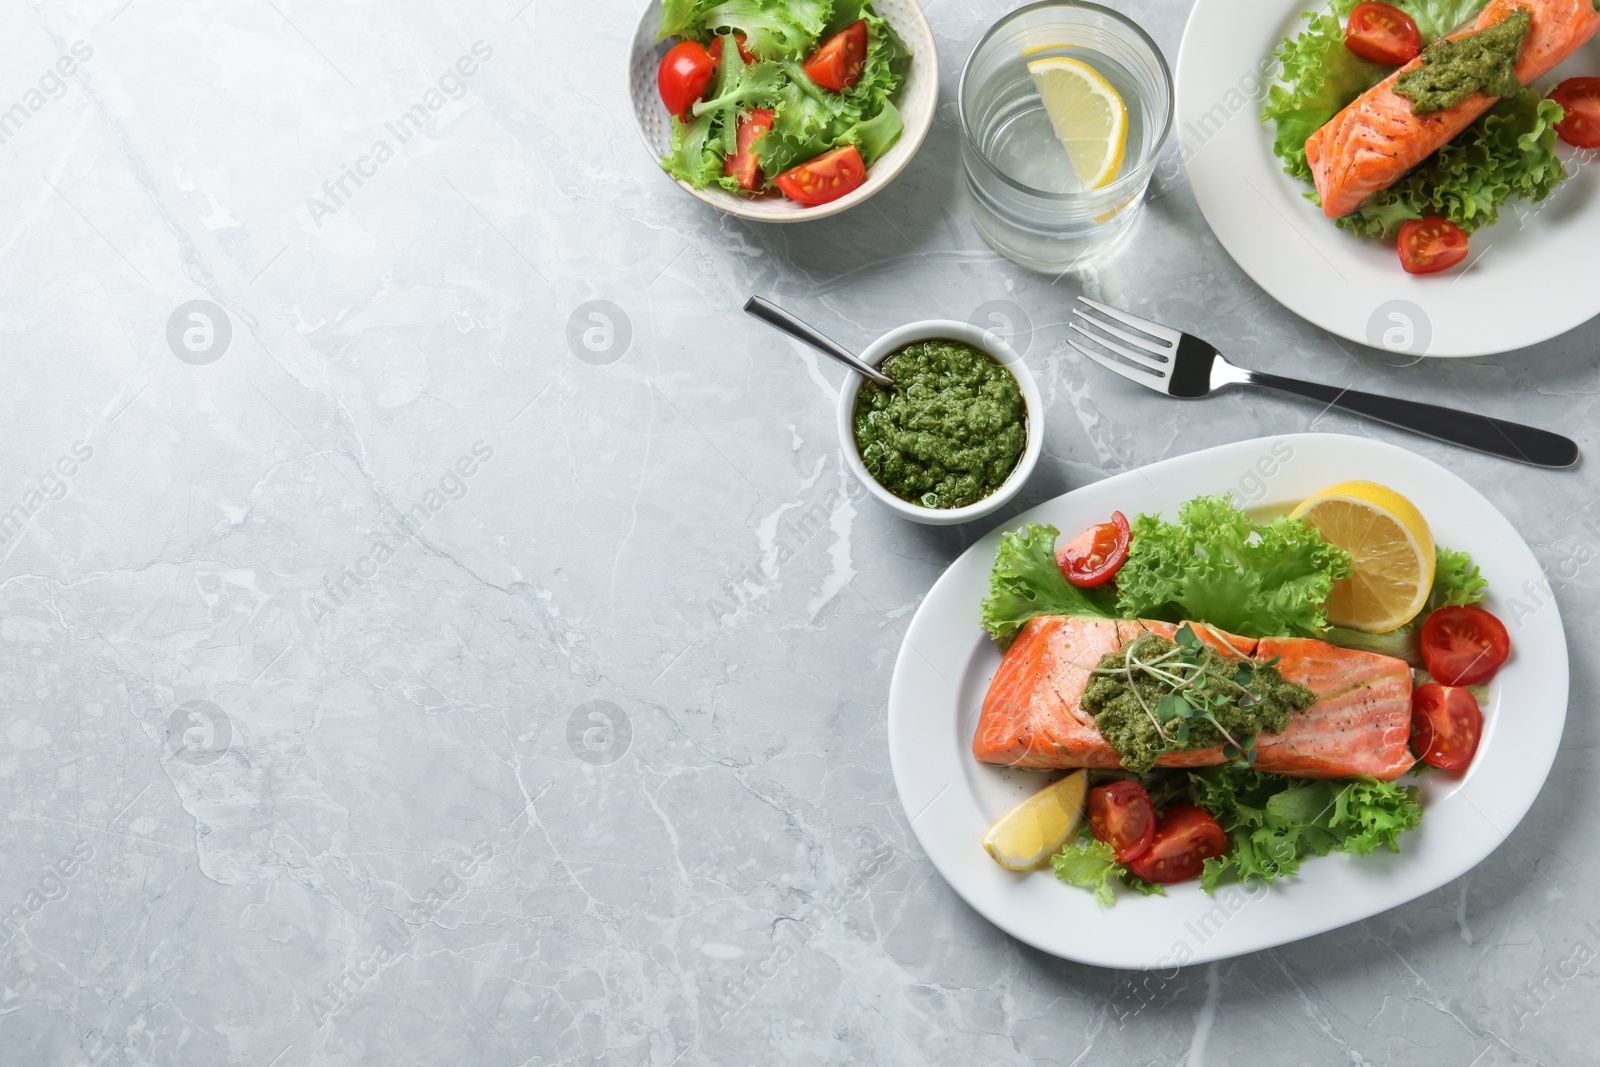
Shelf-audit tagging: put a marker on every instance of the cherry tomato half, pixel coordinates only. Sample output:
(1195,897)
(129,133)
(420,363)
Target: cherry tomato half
(685,71)
(836,64)
(1096,555)
(1382,34)
(1431,244)
(1464,646)
(827,177)
(1185,838)
(1120,814)
(743,164)
(1446,725)
(1580,99)
(715,50)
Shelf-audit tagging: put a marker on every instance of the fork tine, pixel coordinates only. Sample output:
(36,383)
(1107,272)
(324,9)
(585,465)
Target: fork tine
(1156,348)
(1144,359)
(1149,381)
(1154,329)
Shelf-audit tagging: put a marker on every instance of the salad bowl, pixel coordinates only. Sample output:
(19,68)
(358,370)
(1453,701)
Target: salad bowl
(916,101)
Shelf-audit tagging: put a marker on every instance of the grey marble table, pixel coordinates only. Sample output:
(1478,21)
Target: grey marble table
(454,639)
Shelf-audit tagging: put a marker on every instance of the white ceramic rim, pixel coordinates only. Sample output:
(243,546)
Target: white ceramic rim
(1529,278)
(950,799)
(928,329)
(879,175)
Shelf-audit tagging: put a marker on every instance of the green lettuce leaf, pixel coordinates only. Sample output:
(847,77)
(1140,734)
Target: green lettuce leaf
(1456,581)
(1509,153)
(1273,823)
(1435,18)
(774,28)
(876,136)
(694,157)
(1089,865)
(1320,77)
(1026,581)
(1215,565)
(740,86)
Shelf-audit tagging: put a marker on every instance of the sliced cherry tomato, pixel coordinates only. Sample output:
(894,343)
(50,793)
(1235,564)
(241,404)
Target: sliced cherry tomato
(1096,555)
(1185,838)
(1580,99)
(836,64)
(1464,646)
(1431,244)
(685,71)
(1382,33)
(827,177)
(743,164)
(1120,814)
(744,53)
(1451,725)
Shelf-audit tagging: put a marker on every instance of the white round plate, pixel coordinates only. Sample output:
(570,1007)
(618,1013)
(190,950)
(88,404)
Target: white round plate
(916,99)
(1527,279)
(951,799)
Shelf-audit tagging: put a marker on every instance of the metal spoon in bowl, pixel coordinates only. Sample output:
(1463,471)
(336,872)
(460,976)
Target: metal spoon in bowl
(773,315)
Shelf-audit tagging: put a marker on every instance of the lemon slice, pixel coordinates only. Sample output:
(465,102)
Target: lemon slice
(1088,115)
(1025,836)
(1391,554)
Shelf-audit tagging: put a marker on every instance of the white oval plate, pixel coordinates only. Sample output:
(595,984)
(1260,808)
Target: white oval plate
(946,661)
(1527,280)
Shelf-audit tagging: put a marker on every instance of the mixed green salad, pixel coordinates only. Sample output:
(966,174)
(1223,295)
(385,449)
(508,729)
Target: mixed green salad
(760,90)
(1216,567)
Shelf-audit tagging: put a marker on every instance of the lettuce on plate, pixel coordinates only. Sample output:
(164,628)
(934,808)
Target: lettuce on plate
(1026,581)
(1273,823)
(1213,565)
(1506,154)
(1216,565)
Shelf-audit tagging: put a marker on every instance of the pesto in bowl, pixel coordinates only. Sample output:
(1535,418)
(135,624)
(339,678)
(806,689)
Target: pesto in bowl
(951,430)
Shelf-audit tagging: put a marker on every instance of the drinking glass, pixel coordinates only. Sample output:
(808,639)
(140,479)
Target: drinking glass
(1022,193)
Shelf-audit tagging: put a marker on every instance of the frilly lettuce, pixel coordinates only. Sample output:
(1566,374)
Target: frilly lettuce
(1273,823)
(1026,582)
(1215,565)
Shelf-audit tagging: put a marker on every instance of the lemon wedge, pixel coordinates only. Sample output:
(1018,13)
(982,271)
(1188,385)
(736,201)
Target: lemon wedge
(1088,115)
(1391,554)
(1025,836)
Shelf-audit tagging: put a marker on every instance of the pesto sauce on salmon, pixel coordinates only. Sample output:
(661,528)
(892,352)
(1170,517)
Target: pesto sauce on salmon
(1225,701)
(1452,70)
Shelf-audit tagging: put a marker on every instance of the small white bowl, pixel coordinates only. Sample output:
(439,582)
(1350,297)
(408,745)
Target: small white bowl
(917,97)
(928,330)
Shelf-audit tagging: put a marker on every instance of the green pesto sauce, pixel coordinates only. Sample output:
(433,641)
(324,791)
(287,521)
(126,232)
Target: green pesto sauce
(950,431)
(1483,62)
(1123,721)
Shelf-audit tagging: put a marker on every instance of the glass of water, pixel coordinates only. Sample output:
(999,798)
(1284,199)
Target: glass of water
(1022,193)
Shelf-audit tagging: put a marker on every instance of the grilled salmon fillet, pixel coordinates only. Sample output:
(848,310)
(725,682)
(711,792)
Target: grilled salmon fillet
(1033,717)
(1371,144)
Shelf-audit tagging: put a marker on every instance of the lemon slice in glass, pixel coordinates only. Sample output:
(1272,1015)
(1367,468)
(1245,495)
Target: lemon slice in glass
(1088,115)
(1025,837)
(1391,554)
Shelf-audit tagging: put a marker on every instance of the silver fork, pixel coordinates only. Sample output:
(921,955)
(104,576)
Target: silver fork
(1182,365)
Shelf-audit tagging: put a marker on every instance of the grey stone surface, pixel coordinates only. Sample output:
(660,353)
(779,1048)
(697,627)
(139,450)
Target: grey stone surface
(408,681)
